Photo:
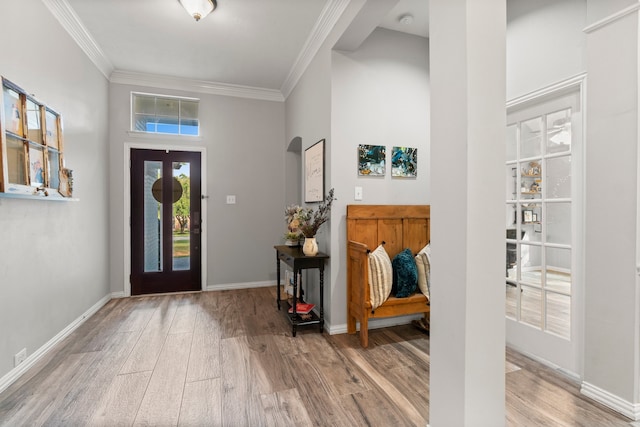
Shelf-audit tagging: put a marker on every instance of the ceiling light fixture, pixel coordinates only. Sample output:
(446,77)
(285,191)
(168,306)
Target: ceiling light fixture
(406,19)
(199,8)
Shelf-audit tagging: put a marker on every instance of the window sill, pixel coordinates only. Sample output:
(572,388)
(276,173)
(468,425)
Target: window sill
(163,136)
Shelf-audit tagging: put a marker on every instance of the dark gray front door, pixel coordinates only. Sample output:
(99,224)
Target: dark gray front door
(165,221)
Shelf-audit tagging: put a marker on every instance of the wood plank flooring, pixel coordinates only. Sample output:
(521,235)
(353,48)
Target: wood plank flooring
(227,358)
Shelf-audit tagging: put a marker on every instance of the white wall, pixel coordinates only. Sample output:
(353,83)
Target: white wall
(600,9)
(53,256)
(611,259)
(545,43)
(245,144)
(380,96)
(308,110)
(308,116)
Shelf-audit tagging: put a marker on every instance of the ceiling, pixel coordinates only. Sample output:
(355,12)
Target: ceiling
(259,44)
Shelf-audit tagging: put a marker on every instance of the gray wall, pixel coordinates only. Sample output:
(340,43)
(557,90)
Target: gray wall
(308,116)
(54,255)
(545,43)
(612,238)
(380,96)
(245,145)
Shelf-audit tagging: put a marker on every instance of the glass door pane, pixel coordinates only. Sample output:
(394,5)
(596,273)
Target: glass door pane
(152,216)
(558,177)
(559,131)
(558,312)
(531,138)
(182,216)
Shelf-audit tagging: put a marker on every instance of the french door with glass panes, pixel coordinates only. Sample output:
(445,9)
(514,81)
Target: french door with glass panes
(543,159)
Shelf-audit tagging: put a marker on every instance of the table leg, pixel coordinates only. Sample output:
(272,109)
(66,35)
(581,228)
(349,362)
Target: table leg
(278,279)
(294,319)
(321,298)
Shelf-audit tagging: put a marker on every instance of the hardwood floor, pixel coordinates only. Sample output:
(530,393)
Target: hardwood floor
(227,358)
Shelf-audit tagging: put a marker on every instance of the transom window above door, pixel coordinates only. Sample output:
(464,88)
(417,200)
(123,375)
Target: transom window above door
(161,114)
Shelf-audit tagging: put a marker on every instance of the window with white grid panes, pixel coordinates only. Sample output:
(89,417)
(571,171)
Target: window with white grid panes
(160,114)
(538,222)
(32,159)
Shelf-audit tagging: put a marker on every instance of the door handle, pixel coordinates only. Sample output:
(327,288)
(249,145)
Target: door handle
(196,223)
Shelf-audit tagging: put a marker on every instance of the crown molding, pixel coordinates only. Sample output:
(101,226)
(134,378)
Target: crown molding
(65,15)
(199,86)
(576,81)
(328,18)
(70,21)
(612,18)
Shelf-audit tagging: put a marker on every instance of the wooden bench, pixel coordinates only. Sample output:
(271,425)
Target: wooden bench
(400,227)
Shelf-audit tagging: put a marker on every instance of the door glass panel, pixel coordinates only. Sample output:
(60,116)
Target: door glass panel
(558,309)
(152,216)
(511,308)
(558,223)
(531,306)
(511,256)
(558,270)
(512,142)
(531,262)
(512,216)
(181,216)
(512,182)
(531,137)
(558,178)
(530,180)
(531,217)
(559,131)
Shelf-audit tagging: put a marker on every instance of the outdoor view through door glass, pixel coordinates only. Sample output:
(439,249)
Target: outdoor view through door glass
(181,214)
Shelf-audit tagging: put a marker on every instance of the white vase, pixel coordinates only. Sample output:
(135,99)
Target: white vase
(310,247)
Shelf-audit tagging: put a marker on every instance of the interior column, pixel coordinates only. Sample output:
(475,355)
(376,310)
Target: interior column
(468,121)
(612,219)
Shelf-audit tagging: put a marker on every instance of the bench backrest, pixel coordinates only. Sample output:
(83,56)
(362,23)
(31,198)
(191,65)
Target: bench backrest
(399,226)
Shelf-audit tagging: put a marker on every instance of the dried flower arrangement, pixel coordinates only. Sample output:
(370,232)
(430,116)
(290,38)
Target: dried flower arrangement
(307,221)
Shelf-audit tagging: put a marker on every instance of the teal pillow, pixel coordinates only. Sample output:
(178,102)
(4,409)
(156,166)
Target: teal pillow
(405,274)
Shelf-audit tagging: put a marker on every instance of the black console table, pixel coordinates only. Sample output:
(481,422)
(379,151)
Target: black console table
(296,259)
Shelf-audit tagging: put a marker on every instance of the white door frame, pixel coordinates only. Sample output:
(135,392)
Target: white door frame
(518,335)
(128,146)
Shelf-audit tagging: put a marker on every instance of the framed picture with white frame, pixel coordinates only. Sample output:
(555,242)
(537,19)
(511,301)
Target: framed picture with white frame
(314,173)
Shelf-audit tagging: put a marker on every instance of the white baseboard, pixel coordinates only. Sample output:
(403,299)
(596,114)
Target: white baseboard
(116,295)
(618,404)
(244,285)
(374,324)
(19,370)
(565,372)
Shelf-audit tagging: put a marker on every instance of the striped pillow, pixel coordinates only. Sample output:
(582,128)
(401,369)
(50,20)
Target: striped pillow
(380,276)
(423,263)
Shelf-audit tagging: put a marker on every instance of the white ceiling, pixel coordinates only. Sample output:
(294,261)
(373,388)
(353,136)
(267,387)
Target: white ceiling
(252,43)
(417,9)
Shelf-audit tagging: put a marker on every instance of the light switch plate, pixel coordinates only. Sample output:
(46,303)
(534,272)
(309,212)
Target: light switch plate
(231,199)
(358,194)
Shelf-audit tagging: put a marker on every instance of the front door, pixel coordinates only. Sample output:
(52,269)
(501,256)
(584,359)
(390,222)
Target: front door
(165,221)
